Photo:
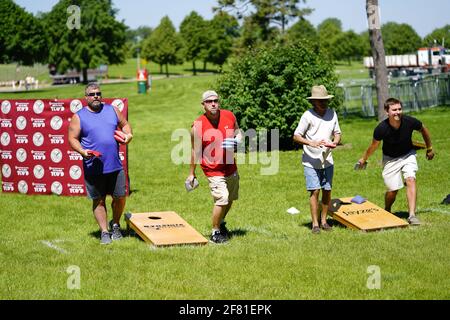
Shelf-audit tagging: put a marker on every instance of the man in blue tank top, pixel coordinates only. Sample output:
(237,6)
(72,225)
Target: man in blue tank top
(92,133)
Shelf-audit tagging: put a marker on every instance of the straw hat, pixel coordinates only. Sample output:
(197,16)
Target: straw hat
(320,93)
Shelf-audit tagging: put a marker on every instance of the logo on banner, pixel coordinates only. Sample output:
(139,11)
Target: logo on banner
(22,186)
(6,155)
(56,172)
(8,186)
(57,106)
(22,106)
(38,106)
(75,156)
(6,106)
(38,155)
(121,156)
(6,123)
(56,155)
(56,123)
(56,188)
(21,123)
(75,106)
(38,123)
(38,139)
(21,155)
(75,172)
(22,171)
(5,139)
(76,188)
(39,171)
(119,104)
(6,171)
(40,187)
(56,139)
(21,138)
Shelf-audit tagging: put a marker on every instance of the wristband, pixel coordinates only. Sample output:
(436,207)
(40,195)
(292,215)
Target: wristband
(429,149)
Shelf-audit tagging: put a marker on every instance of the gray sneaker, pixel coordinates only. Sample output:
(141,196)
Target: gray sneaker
(115,231)
(414,221)
(105,238)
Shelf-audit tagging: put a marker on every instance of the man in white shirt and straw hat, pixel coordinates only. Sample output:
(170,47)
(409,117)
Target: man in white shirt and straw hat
(319,132)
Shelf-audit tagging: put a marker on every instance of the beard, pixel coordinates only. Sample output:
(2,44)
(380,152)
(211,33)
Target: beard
(95,105)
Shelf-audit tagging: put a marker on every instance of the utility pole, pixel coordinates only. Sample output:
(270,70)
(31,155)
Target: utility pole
(378,54)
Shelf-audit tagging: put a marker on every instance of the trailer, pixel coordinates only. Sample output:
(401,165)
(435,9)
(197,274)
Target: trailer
(74,76)
(431,60)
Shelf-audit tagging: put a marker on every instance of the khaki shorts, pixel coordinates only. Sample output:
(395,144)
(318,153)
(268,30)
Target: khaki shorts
(395,168)
(224,189)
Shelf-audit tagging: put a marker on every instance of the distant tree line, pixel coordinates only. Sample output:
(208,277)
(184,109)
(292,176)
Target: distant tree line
(93,36)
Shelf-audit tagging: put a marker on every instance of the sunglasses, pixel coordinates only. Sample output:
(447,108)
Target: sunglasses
(211,101)
(94,94)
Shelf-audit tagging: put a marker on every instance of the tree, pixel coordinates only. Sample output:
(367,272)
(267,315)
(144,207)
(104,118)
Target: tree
(222,32)
(328,30)
(266,13)
(22,36)
(164,45)
(379,59)
(439,36)
(346,46)
(135,38)
(267,88)
(301,30)
(195,37)
(98,38)
(400,38)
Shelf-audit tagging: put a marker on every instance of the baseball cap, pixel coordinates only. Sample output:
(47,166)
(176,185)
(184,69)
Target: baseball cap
(208,94)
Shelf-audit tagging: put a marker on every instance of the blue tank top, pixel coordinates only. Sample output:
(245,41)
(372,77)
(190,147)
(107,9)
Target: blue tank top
(97,133)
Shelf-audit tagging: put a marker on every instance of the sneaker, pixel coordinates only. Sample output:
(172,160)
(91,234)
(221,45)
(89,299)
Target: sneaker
(224,230)
(218,237)
(105,238)
(326,227)
(414,221)
(315,230)
(115,231)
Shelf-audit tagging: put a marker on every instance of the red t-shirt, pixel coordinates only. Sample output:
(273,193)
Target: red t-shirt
(216,161)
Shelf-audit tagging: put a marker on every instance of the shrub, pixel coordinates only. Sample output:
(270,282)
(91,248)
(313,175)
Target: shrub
(267,88)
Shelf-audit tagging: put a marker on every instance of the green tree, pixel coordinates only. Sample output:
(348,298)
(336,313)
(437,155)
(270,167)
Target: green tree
(347,46)
(222,32)
(164,45)
(400,38)
(365,41)
(267,88)
(301,30)
(135,37)
(194,34)
(328,30)
(22,36)
(98,38)
(440,36)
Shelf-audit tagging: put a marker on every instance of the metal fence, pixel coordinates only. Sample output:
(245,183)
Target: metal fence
(415,93)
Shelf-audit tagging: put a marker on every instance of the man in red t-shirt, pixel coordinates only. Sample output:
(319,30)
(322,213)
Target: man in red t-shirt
(214,138)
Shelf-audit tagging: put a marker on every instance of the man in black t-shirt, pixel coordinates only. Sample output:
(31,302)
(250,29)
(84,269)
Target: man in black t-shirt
(399,155)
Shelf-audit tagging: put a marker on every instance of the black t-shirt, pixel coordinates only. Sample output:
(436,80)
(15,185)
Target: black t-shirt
(397,142)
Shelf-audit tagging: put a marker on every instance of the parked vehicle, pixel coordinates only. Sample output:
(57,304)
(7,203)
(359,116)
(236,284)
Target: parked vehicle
(434,59)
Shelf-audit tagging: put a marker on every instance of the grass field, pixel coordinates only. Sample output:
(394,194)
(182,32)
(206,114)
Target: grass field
(272,254)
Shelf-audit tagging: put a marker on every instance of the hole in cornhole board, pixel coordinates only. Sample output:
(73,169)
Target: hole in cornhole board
(163,228)
(365,216)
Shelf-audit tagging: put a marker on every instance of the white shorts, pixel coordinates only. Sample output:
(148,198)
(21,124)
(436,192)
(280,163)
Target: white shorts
(224,189)
(395,168)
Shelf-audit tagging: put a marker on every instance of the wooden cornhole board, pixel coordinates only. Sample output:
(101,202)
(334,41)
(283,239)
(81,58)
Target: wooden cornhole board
(365,216)
(163,228)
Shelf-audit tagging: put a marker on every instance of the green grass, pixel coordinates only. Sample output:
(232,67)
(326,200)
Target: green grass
(273,254)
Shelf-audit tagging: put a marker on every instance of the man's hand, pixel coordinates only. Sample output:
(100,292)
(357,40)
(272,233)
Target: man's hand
(361,164)
(87,154)
(191,183)
(430,154)
(122,137)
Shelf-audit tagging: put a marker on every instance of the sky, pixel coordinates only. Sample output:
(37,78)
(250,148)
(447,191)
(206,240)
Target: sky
(423,15)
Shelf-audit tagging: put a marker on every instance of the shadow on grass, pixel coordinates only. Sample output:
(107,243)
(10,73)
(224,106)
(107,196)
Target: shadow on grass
(237,233)
(333,223)
(401,214)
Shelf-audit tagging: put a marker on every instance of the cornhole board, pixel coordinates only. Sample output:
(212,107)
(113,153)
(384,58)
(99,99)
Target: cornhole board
(163,228)
(365,216)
